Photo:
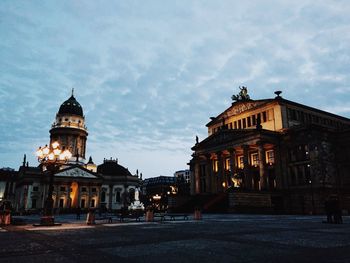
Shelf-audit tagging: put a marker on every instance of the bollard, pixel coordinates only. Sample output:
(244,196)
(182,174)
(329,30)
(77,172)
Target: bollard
(7,219)
(90,218)
(149,216)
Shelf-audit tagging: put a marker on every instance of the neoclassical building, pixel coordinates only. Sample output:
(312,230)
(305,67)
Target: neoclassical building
(79,183)
(274,154)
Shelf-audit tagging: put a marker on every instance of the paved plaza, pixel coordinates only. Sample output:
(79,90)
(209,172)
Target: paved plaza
(216,238)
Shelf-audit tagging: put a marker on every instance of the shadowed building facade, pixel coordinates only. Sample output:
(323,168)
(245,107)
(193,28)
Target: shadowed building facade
(273,154)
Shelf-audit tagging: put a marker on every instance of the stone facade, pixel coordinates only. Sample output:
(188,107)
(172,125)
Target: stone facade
(288,153)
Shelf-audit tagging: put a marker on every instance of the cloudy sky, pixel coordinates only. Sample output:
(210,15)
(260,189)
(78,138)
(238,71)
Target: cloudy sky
(149,74)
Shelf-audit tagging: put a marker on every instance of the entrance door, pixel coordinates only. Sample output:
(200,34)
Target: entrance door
(61,202)
(82,203)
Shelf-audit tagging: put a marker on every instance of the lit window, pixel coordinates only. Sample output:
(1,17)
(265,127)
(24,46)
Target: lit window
(254,159)
(215,165)
(270,157)
(227,164)
(240,162)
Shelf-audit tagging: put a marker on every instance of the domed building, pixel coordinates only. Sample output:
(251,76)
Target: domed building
(79,183)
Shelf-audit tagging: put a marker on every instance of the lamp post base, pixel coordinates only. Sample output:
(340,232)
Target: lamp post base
(47,221)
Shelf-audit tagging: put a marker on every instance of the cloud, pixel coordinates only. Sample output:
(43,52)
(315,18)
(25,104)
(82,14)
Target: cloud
(149,76)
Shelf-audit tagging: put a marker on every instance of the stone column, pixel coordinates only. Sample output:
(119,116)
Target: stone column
(220,172)
(197,177)
(110,197)
(232,163)
(79,195)
(208,173)
(277,167)
(247,180)
(69,201)
(262,172)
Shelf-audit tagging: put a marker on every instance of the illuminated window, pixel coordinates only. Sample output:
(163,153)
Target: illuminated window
(215,165)
(227,164)
(240,162)
(270,157)
(254,159)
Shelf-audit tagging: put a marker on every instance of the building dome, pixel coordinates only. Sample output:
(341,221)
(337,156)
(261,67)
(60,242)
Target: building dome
(111,167)
(71,106)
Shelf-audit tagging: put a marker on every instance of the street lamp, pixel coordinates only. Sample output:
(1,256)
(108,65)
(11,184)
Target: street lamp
(52,157)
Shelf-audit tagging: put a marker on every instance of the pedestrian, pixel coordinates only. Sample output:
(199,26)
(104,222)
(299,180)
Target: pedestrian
(337,212)
(327,206)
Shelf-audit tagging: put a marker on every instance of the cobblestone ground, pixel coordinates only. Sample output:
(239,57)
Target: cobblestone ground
(216,238)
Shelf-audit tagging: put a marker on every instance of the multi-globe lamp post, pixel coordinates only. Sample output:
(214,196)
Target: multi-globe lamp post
(52,157)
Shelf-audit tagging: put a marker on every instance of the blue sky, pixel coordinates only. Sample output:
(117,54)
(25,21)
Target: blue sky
(149,74)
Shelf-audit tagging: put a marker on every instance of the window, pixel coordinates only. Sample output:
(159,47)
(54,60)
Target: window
(231,125)
(82,203)
(33,203)
(254,159)
(253,120)
(239,124)
(235,124)
(62,188)
(61,202)
(264,117)
(93,189)
(215,165)
(240,162)
(244,123)
(92,203)
(35,189)
(103,197)
(249,122)
(227,164)
(117,196)
(270,157)
(83,189)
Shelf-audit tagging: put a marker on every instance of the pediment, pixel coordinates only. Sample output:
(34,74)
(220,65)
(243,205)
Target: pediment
(240,107)
(76,172)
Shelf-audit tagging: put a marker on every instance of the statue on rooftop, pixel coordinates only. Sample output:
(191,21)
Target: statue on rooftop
(242,95)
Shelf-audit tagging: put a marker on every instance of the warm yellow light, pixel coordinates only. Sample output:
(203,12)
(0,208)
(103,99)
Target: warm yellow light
(46,150)
(51,156)
(67,154)
(223,184)
(39,153)
(55,145)
(56,151)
